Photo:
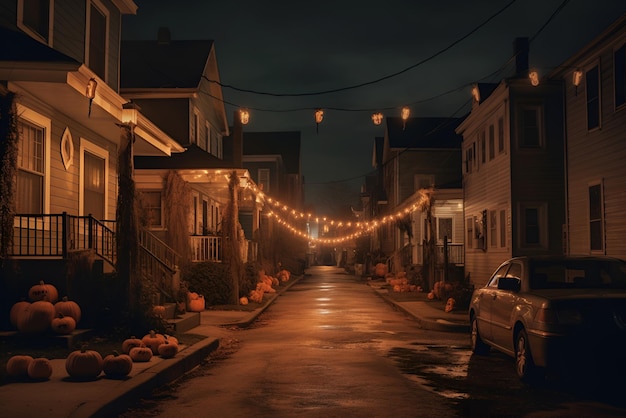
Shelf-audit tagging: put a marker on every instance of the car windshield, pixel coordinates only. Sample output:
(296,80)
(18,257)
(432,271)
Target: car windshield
(580,274)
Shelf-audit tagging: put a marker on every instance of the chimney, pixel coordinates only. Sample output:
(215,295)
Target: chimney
(521,50)
(237,141)
(163,36)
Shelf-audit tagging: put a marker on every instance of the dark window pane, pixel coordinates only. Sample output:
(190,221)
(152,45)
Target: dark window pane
(36,15)
(620,76)
(97,42)
(593,98)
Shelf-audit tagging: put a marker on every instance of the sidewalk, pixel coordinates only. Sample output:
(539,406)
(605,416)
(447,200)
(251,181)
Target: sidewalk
(60,397)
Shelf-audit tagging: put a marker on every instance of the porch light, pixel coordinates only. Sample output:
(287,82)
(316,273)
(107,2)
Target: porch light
(577,77)
(244,116)
(377,118)
(476,94)
(90,92)
(534,78)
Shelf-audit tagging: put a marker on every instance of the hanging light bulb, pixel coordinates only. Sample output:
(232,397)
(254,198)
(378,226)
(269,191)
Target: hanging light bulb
(377,118)
(406,112)
(577,77)
(476,94)
(319,116)
(244,116)
(534,78)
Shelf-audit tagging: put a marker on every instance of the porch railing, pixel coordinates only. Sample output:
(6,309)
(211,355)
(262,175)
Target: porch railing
(56,235)
(209,248)
(159,262)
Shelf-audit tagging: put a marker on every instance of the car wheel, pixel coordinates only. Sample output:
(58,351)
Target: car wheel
(478,345)
(524,365)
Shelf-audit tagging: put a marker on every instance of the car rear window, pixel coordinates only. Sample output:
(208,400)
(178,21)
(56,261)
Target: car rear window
(581,274)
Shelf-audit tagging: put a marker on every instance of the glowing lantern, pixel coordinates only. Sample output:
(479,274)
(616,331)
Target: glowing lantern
(91,92)
(319,116)
(476,94)
(406,112)
(377,118)
(577,77)
(244,116)
(534,78)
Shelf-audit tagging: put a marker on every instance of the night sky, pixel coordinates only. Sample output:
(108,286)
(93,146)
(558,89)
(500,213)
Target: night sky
(428,54)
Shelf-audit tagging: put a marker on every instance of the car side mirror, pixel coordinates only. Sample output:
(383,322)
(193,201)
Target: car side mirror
(509,283)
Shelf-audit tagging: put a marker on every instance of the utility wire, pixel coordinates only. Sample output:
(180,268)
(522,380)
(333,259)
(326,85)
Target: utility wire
(367,83)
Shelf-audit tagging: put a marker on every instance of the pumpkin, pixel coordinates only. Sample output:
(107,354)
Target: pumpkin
(84,363)
(17,366)
(153,341)
(40,369)
(380,270)
(16,311)
(117,365)
(43,291)
(68,308)
(243,300)
(159,311)
(141,353)
(63,324)
(170,339)
(129,343)
(450,305)
(168,349)
(197,305)
(36,317)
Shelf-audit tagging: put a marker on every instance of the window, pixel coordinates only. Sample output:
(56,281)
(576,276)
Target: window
(493,229)
(592,83)
(93,196)
(482,148)
(153,207)
(94,162)
(35,18)
(502,228)
(619,72)
(596,218)
(206,145)
(533,225)
(423,181)
(469,225)
(444,226)
(493,282)
(194,129)
(530,126)
(264,179)
(30,163)
(500,135)
(468,160)
(492,143)
(97,35)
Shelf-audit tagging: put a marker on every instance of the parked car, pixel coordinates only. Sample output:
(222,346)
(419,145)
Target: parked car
(553,311)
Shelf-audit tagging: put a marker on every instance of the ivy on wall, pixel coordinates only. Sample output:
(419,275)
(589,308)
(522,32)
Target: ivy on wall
(9,138)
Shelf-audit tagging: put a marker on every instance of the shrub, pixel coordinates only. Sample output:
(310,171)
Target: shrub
(211,280)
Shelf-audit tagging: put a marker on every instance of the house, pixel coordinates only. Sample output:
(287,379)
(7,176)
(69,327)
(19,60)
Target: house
(59,65)
(513,170)
(175,82)
(594,81)
(419,154)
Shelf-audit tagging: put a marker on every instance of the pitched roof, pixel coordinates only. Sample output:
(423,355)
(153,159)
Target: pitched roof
(171,64)
(285,143)
(424,132)
(16,46)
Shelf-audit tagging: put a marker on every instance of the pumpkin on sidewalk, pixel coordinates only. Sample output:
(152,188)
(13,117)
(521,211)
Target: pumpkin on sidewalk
(84,364)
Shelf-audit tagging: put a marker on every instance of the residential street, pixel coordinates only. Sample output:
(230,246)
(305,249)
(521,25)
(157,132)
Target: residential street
(331,347)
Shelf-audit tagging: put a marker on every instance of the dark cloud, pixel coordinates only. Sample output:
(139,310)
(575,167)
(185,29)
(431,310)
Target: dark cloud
(285,46)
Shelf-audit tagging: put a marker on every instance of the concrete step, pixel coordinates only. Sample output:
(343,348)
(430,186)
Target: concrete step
(185,322)
(72,340)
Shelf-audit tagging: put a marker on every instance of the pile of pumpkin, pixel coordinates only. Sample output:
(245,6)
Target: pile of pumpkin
(399,283)
(45,312)
(264,285)
(85,364)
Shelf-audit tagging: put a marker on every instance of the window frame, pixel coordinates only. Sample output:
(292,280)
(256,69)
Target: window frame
(601,220)
(594,99)
(261,172)
(161,225)
(100,152)
(522,128)
(107,15)
(542,225)
(619,77)
(48,40)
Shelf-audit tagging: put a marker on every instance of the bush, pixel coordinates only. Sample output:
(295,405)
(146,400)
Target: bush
(250,278)
(211,280)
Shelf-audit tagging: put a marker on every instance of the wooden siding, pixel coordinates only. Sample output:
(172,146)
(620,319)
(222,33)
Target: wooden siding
(69,28)
(597,155)
(168,114)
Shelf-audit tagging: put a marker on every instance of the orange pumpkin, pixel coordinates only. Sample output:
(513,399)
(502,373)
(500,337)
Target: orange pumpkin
(68,308)
(84,363)
(168,349)
(153,341)
(197,305)
(17,366)
(170,338)
(129,343)
(36,317)
(40,369)
(140,354)
(63,324)
(243,300)
(17,310)
(159,311)
(43,291)
(117,365)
